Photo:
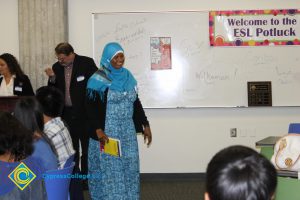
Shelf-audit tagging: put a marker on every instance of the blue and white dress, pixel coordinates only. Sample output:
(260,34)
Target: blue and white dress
(119,176)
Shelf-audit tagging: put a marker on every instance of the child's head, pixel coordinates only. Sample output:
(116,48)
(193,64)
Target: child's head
(51,100)
(240,173)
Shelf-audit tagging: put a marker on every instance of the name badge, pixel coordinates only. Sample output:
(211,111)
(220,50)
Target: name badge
(17,88)
(80,78)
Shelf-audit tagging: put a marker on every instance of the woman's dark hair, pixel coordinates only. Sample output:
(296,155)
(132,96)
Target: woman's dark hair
(12,64)
(64,48)
(239,172)
(14,137)
(30,113)
(51,100)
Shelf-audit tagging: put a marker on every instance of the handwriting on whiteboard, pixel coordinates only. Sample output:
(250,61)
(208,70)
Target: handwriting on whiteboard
(210,78)
(126,33)
(190,48)
(262,59)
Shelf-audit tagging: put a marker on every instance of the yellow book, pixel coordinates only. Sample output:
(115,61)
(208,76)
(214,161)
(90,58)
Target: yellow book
(112,147)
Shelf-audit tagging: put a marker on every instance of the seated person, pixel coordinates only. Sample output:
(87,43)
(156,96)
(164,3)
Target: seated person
(52,102)
(16,147)
(240,173)
(29,112)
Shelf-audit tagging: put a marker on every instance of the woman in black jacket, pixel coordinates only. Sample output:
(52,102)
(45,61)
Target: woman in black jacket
(12,79)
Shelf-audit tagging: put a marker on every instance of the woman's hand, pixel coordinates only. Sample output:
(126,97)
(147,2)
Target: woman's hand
(147,135)
(101,136)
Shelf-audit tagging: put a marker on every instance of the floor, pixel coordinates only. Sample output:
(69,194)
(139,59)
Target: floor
(170,188)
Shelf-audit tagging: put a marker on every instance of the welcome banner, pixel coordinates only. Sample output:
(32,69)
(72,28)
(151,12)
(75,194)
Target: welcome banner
(254,27)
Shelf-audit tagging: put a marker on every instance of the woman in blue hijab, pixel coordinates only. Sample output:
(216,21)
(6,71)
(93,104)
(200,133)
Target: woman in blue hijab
(114,111)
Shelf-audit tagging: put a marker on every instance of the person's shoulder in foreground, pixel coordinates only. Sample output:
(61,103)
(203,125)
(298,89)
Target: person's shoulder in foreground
(240,173)
(17,166)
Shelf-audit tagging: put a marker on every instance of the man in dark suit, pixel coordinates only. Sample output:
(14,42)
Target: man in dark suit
(70,74)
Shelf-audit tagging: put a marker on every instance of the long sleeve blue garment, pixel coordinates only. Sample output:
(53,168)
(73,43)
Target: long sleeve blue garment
(44,154)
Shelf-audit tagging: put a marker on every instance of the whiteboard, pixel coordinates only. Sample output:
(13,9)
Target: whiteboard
(200,75)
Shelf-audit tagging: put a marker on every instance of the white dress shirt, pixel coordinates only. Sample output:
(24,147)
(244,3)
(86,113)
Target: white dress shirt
(7,89)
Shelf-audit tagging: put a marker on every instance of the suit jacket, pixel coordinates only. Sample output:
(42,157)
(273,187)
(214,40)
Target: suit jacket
(22,86)
(83,68)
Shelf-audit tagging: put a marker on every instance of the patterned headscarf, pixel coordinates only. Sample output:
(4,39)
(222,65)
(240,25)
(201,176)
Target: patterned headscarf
(109,77)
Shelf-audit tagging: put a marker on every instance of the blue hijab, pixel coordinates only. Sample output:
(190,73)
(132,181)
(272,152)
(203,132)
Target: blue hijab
(108,77)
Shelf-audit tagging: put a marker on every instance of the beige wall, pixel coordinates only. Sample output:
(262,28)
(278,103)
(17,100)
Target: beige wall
(184,140)
(9,42)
